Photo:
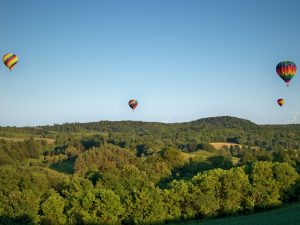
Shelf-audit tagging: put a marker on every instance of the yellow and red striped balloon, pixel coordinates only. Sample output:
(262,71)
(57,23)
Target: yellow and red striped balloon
(133,104)
(10,60)
(280,101)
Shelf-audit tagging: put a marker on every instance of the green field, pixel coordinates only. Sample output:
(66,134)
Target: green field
(66,167)
(288,215)
(201,153)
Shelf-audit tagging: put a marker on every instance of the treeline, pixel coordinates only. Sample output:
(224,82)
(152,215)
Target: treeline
(147,137)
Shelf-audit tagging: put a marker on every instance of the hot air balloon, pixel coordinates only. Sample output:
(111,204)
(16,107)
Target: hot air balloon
(10,60)
(286,70)
(280,101)
(133,104)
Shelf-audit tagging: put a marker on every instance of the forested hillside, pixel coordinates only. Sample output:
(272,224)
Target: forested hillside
(145,173)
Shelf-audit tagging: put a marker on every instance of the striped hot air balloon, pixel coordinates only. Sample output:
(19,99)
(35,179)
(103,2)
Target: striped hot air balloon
(280,101)
(10,60)
(133,104)
(286,70)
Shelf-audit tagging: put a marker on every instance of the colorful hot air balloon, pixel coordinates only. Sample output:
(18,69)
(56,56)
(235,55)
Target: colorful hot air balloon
(280,101)
(133,104)
(286,70)
(10,60)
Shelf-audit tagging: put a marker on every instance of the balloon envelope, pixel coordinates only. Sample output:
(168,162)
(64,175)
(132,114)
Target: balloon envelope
(280,101)
(133,104)
(286,70)
(10,60)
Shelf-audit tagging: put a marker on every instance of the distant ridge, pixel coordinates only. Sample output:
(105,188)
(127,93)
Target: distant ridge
(218,121)
(209,122)
(224,121)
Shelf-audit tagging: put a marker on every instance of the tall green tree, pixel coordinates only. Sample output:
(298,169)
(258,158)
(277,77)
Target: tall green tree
(53,209)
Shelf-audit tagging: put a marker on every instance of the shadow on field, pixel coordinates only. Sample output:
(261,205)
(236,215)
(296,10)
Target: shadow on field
(23,219)
(65,166)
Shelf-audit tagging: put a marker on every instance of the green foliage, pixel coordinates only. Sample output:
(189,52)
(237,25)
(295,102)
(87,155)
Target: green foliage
(87,204)
(145,173)
(265,191)
(105,158)
(21,190)
(53,209)
(235,190)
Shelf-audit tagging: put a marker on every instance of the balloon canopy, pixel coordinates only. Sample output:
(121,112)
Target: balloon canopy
(10,60)
(133,104)
(280,101)
(286,71)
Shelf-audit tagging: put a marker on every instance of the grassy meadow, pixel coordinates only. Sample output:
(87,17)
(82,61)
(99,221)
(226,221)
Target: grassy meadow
(287,215)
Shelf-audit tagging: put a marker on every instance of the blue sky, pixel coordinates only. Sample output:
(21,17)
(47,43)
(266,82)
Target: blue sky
(82,61)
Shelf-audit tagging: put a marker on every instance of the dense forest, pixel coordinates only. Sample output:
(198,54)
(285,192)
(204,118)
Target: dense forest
(130,172)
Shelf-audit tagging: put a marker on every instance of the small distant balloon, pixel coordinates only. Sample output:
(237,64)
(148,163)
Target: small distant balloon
(286,71)
(133,104)
(280,101)
(10,60)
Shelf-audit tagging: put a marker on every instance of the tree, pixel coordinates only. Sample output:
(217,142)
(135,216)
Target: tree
(235,188)
(265,189)
(107,206)
(286,177)
(207,191)
(21,207)
(53,209)
(183,198)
